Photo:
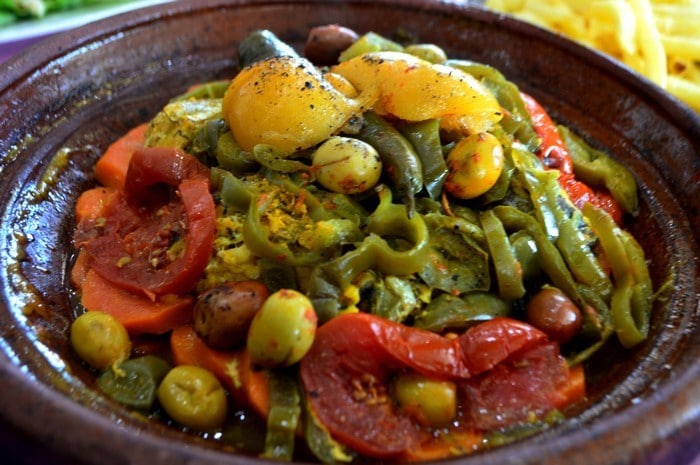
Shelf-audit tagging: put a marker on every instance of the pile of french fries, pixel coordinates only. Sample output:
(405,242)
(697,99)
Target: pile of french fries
(658,38)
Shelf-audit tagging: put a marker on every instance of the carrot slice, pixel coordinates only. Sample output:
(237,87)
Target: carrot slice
(81,266)
(91,203)
(137,313)
(111,168)
(246,385)
(574,390)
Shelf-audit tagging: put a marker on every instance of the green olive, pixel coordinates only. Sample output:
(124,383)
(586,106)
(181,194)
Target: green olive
(431,402)
(222,315)
(427,52)
(283,330)
(100,339)
(346,165)
(474,165)
(193,397)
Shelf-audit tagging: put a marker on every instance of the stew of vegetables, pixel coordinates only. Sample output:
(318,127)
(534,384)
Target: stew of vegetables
(385,253)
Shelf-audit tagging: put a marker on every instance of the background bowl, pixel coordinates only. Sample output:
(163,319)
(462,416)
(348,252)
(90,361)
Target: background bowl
(86,87)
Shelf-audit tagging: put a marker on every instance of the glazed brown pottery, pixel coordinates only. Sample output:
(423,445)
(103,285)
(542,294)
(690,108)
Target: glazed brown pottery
(86,87)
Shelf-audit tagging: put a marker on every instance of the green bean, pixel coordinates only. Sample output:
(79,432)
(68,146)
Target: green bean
(448,311)
(234,192)
(509,273)
(400,160)
(525,251)
(425,138)
(205,138)
(271,158)
(632,297)
(502,187)
(318,210)
(276,275)
(390,297)
(595,321)
(597,169)
(550,258)
(571,235)
(427,52)
(231,157)
(374,251)
(283,418)
(330,279)
(335,233)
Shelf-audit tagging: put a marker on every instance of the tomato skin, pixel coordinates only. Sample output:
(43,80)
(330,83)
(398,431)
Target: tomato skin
(130,248)
(152,168)
(536,375)
(486,345)
(347,373)
(555,155)
(553,151)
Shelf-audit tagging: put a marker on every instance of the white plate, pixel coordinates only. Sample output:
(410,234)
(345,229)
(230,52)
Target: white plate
(62,21)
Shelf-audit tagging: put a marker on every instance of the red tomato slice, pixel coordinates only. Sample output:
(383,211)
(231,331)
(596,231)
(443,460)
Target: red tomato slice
(157,237)
(553,151)
(347,373)
(346,377)
(515,390)
(153,169)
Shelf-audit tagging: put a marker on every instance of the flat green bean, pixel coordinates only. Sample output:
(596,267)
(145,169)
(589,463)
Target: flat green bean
(425,138)
(597,169)
(400,160)
(509,274)
(283,418)
(632,297)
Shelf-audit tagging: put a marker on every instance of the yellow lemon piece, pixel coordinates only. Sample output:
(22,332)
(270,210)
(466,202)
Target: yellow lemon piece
(413,89)
(287,103)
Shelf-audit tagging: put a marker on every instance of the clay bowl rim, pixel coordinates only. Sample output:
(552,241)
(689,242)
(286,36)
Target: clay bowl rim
(81,420)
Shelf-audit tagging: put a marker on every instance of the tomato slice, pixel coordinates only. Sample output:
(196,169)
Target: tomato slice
(153,169)
(346,375)
(347,372)
(157,237)
(516,390)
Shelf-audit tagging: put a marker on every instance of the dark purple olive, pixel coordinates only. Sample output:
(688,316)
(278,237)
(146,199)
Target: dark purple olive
(223,314)
(553,313)
(324,43)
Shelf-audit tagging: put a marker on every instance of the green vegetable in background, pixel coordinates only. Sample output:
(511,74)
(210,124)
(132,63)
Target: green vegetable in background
(12,10)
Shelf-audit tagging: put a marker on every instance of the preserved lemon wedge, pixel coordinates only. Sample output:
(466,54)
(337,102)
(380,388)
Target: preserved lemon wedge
(413,89)
(287,103)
